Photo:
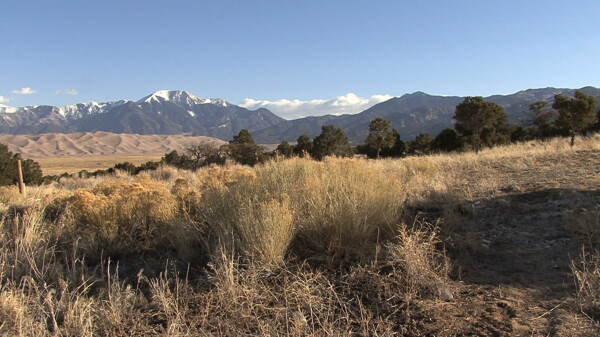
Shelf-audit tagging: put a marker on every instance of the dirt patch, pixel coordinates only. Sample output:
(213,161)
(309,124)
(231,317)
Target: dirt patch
(516,277)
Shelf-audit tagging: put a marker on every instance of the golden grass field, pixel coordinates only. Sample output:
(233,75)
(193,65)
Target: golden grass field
(500,243)
(73,164)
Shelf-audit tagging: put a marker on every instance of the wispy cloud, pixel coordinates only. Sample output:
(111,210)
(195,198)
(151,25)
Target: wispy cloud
(24,91)
(295,108)
(4,99)
(71,92)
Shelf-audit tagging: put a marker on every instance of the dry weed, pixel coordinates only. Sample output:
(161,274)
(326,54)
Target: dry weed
(587,278)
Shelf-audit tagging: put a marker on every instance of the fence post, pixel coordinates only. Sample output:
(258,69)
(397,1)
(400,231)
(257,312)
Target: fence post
(20,176)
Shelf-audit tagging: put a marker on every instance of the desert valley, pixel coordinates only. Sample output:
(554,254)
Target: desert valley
(300,168)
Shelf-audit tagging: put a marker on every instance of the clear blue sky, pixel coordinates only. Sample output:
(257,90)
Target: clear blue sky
(109,49)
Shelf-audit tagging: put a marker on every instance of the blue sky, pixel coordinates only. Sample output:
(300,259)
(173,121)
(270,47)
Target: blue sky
(274,52)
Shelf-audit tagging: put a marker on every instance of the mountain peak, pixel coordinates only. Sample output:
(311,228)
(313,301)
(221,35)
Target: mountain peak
(168,95)
(179,97)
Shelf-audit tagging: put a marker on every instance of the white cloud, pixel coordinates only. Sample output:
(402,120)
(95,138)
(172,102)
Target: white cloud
(294,108)
(24,91)
(71,92)
(4,99)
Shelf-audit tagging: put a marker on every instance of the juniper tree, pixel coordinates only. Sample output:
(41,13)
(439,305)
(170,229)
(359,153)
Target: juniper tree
(422,144)
(304,146)
(284,149)
(575,114)
(331,142)
(542,118)
(243,149)
(243,137)
(399,147)
(380,135)
(446,141)
(477,117)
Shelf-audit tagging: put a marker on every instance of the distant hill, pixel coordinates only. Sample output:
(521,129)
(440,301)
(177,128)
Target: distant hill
(410,114)
(162,112)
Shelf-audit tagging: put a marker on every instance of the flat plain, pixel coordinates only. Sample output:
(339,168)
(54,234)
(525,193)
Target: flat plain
(74,164)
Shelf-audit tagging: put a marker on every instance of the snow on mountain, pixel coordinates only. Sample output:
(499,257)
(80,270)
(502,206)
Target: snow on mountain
(161,112)
(181,98)
(80,110)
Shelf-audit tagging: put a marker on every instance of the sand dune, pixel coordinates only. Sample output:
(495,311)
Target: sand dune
(98,144)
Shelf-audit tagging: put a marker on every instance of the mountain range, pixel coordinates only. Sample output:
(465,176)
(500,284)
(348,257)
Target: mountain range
(162,112)
(180,112)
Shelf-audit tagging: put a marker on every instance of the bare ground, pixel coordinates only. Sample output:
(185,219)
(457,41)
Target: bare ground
(513,253)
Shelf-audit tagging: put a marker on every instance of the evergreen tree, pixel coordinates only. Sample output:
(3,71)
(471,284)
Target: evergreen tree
(304,146)
(331,142)
(285,149)
(380,136)
(422,144)
(447,141)
(542,119)
(519,134)
(243,137)
(476,118)
(243,150)
(575,115)
(399,148)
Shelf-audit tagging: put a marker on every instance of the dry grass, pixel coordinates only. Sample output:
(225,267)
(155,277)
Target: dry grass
(117,217)
(293,247)
(60,165)
(587,277)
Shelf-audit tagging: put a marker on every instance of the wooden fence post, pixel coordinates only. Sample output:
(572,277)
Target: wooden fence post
(20,176)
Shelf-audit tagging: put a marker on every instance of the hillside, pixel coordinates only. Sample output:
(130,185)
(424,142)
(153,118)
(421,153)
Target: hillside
(410,114)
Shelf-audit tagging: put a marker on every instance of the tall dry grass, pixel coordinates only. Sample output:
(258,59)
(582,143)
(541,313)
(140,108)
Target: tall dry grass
(318,210)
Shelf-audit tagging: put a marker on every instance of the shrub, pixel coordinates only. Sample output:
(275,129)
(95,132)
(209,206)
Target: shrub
(256,226)
(118,216)
(32,173)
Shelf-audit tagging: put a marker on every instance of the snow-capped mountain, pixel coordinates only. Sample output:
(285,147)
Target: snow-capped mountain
(162,112)
(180,98)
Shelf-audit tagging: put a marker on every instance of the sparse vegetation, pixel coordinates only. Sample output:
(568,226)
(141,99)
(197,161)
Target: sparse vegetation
(341,246)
